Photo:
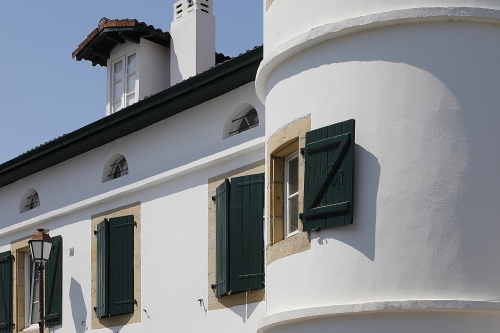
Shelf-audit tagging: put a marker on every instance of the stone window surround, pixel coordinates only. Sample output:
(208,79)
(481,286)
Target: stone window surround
(288,139)
(129,318)
(216,303)
(268,4)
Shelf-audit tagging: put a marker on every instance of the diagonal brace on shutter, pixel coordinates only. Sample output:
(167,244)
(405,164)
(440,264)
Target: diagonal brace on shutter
(344,142)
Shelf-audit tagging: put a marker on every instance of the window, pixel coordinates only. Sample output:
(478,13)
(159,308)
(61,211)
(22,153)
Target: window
(123,82)
(248,120)
(31,291)
(291,195)
(239,205)
(115,266)
(118,168)
(33,201)
(22,275)
(286,191)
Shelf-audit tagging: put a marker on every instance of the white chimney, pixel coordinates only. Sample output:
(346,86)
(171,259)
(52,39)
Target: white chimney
(192,45)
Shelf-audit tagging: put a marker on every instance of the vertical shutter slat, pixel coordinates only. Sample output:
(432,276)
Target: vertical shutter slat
(329,176)
(246,237)
(221,247)
(6,323)
(121,265)
(53,284)
(102,233)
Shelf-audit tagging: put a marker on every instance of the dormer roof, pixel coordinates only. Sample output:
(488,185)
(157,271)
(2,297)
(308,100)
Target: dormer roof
(109,33)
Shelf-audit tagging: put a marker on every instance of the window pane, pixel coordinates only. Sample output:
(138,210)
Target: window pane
(118,70)
(293,213)
(131,64)
(117,90)
(35,313)
(252,118)
(130,83)
(130,99)
(293,174)
(117,105)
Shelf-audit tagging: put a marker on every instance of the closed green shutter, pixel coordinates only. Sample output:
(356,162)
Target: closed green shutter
(102,233)
(246,233)
(6,323)
(329,177)
(53,284)
(121,265)
(221,199)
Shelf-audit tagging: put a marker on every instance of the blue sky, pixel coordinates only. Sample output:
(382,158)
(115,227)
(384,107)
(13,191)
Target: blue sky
(44,93)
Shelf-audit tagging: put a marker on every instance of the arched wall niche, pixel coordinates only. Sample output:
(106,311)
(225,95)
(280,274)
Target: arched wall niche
(115,167)
(29,200)
(242,117)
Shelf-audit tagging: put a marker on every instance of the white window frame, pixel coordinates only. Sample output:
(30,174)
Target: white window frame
(288,195)
(29,287)
(124,59)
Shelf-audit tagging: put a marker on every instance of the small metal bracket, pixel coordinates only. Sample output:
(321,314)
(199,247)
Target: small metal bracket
(318,228)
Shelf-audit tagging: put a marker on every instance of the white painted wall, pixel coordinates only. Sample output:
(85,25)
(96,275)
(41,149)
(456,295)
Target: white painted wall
(154,68)
(425,99)
(308,15)
(170,164)
(192,44)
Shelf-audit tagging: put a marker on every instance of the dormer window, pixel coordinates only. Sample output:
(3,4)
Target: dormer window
(128,48)
(124,82)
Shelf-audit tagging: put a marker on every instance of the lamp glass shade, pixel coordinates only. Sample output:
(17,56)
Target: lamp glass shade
(36,250)
(47,247)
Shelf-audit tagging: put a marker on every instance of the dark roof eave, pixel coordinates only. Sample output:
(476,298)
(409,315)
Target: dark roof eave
(184,95)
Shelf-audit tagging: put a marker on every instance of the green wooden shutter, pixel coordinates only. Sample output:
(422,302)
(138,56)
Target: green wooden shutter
(246,233)
(6,323)
(53,284)
(221,199)
(102,233)
(121,265)
(329,177)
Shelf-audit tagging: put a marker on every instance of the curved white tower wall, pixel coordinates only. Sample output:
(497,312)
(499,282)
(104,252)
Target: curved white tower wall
(423,84)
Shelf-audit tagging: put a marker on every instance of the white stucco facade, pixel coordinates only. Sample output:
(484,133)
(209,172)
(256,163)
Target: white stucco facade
(421,80)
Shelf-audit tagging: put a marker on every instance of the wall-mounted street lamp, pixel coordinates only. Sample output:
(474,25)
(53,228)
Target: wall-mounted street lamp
(40,246)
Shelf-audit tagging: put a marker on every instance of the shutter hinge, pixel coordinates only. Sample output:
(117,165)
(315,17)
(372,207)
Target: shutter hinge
(302,151)
(249,276)
(126,225)
(251,182)
(301,216)
(126,302)
(318,228)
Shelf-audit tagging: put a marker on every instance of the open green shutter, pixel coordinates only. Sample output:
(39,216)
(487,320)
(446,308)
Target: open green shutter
(329,177)
(121,265)
(221,199)
(102,233)
(246,233)
(6,323)
(53,284)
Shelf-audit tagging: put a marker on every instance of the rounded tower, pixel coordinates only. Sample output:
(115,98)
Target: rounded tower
(421,80)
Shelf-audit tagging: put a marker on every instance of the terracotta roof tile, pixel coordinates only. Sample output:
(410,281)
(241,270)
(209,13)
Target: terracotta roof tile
(107,23)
